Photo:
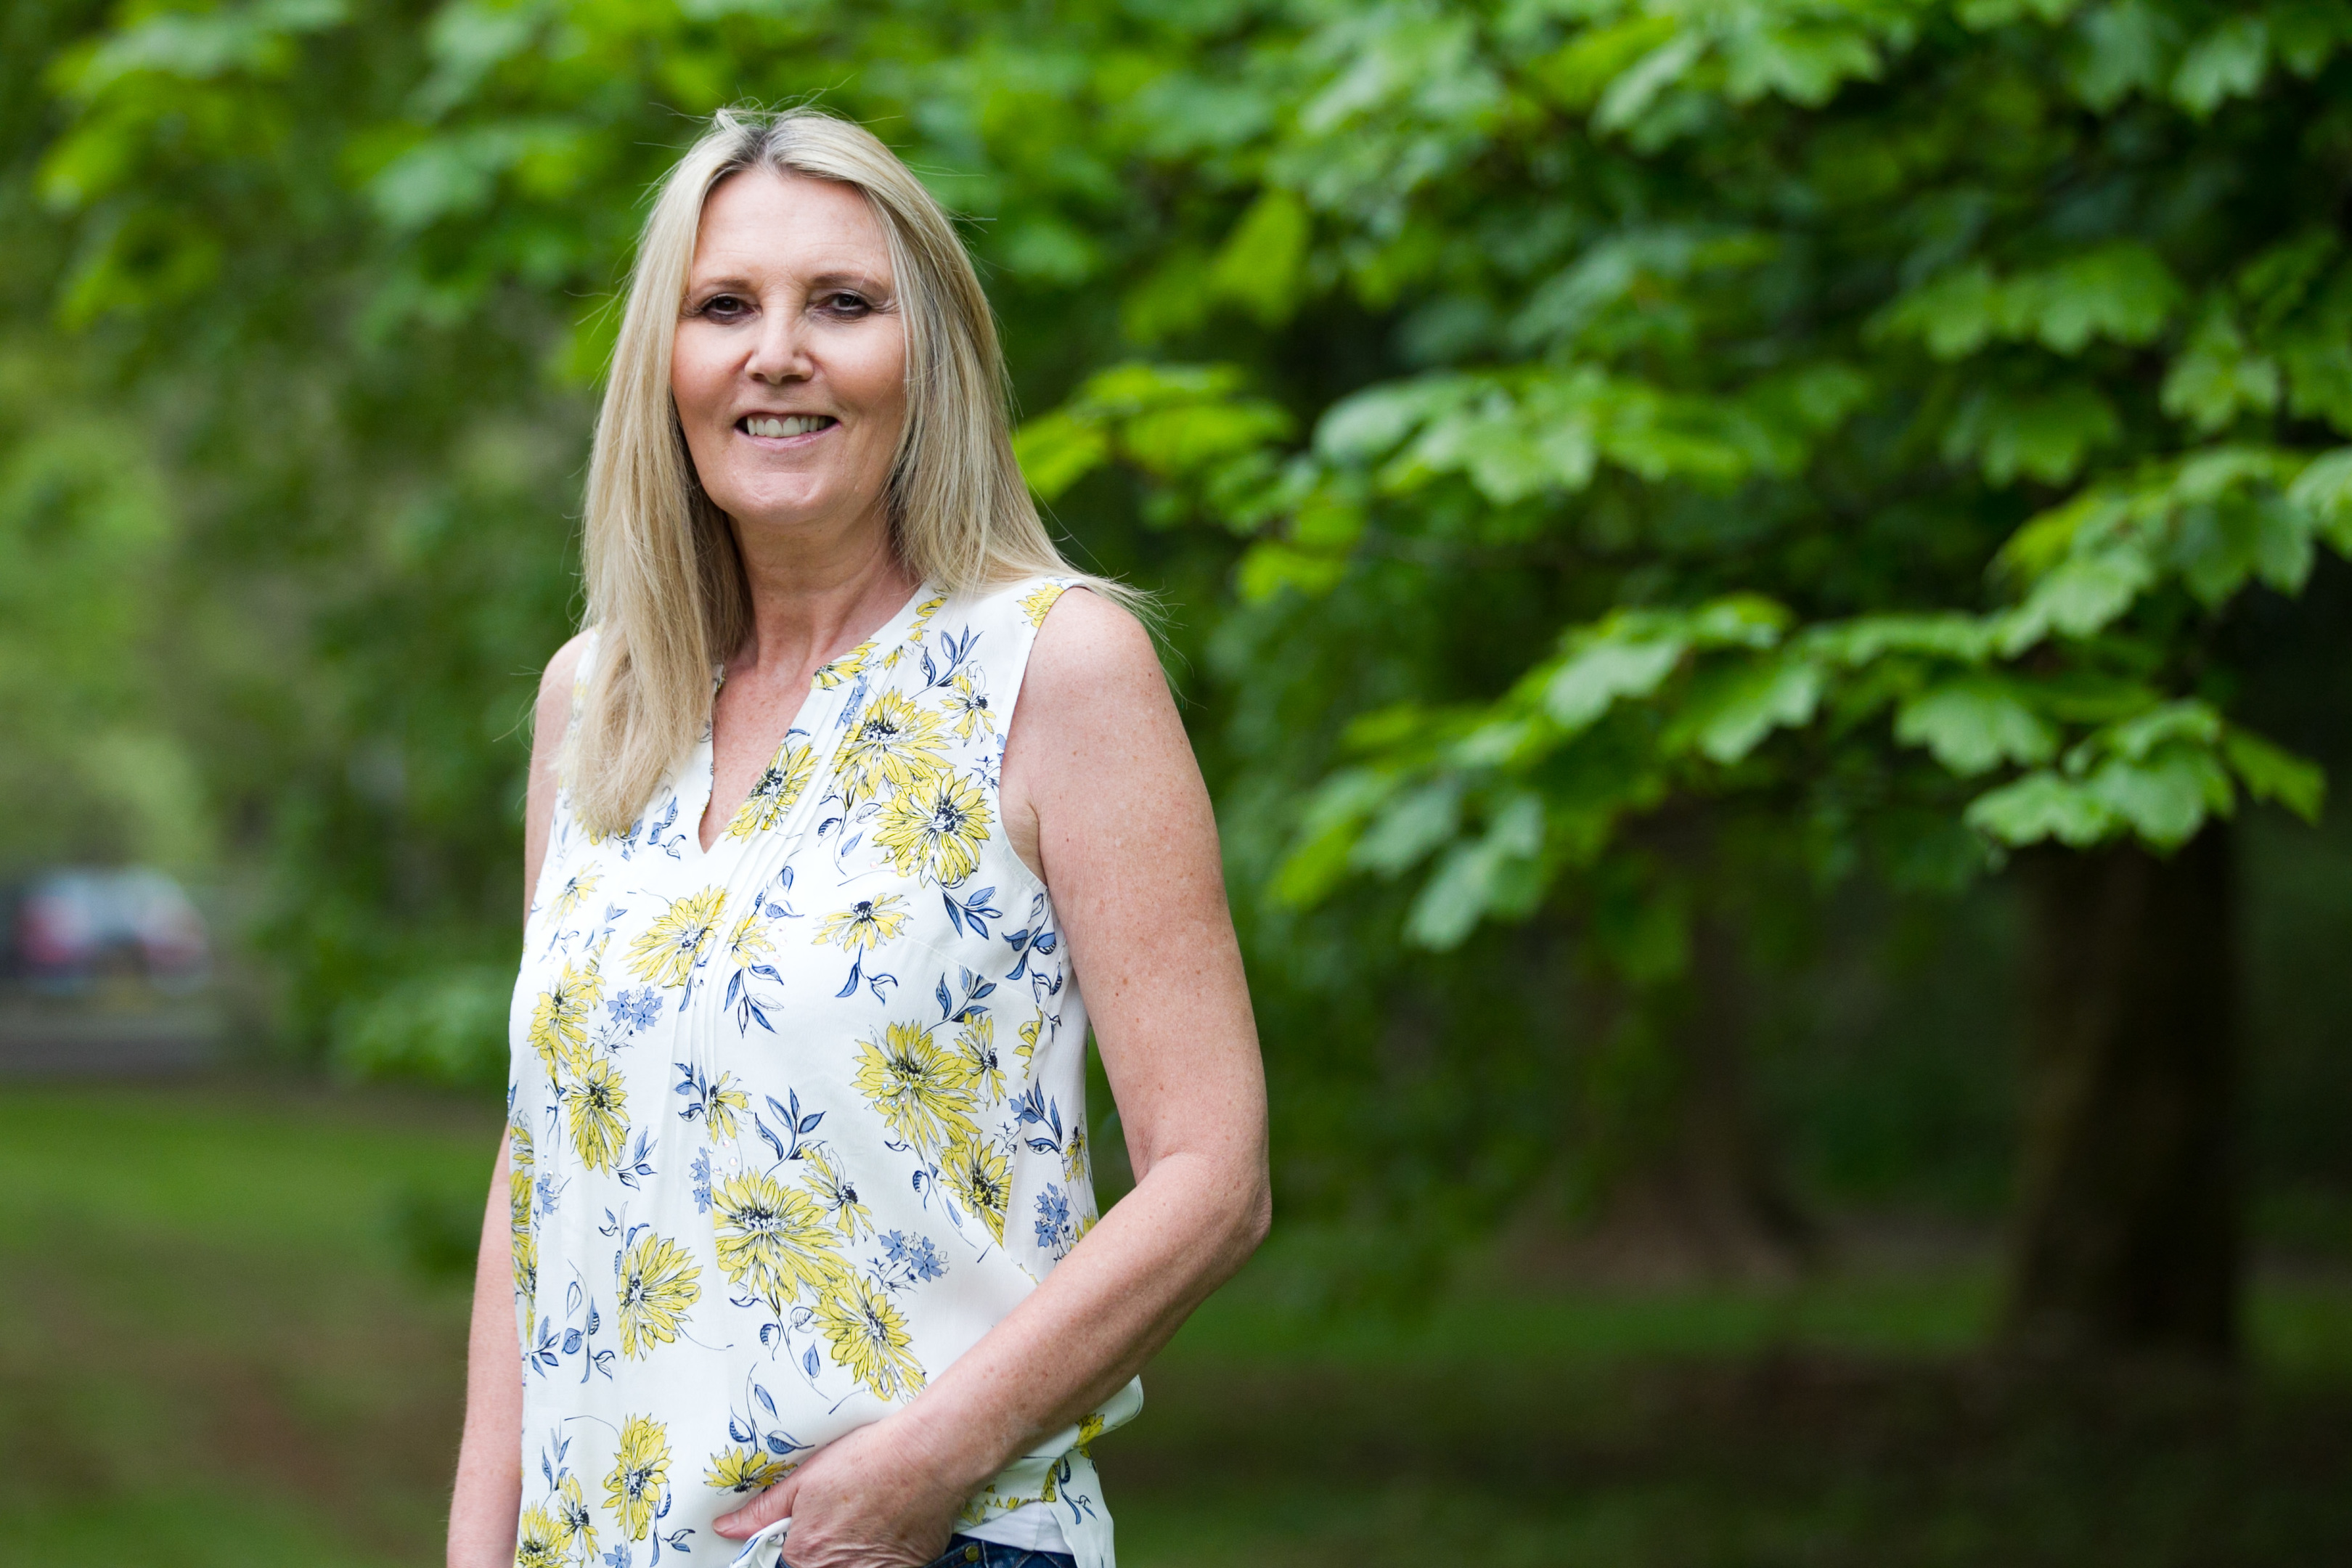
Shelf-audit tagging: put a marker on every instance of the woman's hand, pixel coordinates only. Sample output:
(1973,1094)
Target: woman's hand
(865,1500)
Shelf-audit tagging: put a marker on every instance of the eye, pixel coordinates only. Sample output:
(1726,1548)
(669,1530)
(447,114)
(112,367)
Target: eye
(723,307)
(841,302)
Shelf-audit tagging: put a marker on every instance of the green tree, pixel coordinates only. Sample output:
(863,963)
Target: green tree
(1909,394)
(1668,457)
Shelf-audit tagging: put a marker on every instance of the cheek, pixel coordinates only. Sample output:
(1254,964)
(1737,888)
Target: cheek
(695,380)
(874,373)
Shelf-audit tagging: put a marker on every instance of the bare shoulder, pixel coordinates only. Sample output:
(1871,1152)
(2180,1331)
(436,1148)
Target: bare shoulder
(1091,656)
(553,711)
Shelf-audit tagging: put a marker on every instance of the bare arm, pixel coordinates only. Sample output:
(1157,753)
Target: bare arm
(1099,776)
(488,1491)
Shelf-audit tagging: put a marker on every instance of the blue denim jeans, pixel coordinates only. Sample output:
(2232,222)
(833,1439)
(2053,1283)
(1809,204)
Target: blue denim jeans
(963,1552)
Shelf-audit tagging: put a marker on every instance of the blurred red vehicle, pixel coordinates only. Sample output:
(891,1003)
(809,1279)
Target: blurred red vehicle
(75,926)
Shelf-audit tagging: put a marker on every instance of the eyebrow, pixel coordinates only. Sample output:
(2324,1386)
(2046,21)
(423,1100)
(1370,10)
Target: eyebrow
(821,280)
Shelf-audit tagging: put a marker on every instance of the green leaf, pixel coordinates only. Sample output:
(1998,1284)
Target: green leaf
(1409,826)
(2324,490)
(1595,677)
(1736,620)
(1954,314)
(2122,291)
(2077,598)
(1802,61)
(1867,638)
(1271,565)
(2135,739)
(2042,805)
(2273,772)
(2216,376)
(2318,379)
(1057,451)
(2165,798)
(1173,442)
(2044,435)
(2227,62)
(1732,710)
(2126,48)
(1260,262)
(1577,72)
(1973,726)
(1371,423)
(2217,546)
(1498,873)
(1335,816)
(1631,95)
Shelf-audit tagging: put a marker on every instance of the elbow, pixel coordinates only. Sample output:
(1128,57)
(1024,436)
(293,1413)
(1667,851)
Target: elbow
(1254,1217)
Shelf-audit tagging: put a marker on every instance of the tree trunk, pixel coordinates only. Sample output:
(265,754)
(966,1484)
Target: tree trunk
(1697,1191)
(2128,1235)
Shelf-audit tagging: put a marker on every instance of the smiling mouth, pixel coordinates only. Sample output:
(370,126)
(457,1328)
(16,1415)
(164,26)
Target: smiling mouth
(791,425)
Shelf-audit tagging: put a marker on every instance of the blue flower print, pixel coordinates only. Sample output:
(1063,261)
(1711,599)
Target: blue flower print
(635,1010)
(1056,1233)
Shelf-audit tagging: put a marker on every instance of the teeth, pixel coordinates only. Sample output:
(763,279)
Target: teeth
(798,425)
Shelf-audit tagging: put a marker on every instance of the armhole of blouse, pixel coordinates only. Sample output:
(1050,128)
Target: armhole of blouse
(1026,625)
(581,673)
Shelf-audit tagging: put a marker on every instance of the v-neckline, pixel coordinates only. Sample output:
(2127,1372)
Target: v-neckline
(886,639)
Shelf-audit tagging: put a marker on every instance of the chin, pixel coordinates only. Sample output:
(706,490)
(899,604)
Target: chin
(780,508)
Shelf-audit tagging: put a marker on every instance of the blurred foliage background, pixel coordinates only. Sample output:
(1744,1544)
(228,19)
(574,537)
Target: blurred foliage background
(1762,587)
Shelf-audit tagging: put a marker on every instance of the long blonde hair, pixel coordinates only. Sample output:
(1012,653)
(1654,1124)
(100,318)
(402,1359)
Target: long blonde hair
(667,590)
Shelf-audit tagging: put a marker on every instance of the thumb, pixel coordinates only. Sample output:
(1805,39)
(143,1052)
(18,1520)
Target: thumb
(762,1511)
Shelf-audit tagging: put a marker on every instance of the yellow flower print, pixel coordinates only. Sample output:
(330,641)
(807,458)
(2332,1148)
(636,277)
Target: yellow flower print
(749,944)
(720,1106)
(743,1471)
(773,796)
(1074,1169)
(522,1242)
(977,1171)
(868,1337)
(834,1191)
(540,1540)
(579,1523)
(918,1088)
(640,1466)
(966,702)
(668,950)
(976,1045)
(657,1284)
(1090,1426)
(559,1024)
(772,1239)
(934,828)
(596,1106)
(864,925)
(923,613)
(846,667)
(567,898)
(1041,599)
(893,744)
(1027,1048)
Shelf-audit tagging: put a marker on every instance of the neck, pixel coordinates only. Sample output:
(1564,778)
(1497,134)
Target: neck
(817,590)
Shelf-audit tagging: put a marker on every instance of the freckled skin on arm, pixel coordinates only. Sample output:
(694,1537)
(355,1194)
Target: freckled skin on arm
(488,1491)
(1101,795)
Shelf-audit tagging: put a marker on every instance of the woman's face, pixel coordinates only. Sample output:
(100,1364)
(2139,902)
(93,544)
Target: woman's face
(789,367)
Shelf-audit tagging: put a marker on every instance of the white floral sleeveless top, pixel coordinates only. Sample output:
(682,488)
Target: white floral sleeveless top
(797,1120)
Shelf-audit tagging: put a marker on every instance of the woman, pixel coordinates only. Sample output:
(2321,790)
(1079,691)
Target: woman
(835,809)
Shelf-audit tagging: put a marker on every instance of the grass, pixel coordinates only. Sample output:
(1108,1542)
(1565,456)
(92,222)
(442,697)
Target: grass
(232,1337)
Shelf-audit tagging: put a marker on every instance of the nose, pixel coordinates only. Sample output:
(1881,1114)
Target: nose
(780,351)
